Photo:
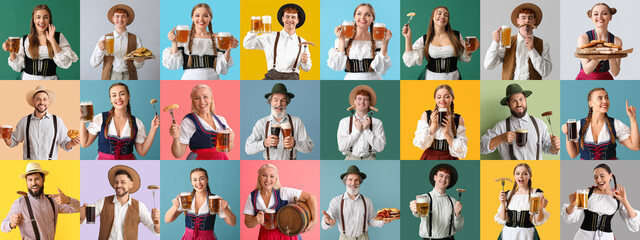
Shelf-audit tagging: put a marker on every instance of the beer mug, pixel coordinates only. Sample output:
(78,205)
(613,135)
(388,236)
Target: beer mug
(256,24)
(222,141)
(442,114)
(269,219)
(505,36)
(572,130)
(214,204)
(224,40)
(91,213)
(471,43)
(348,28)
(182,34)
(379,29)
(14,44)
(87,111)
(185,201)
(535,202)
(266,24)
(422,206)
(582,196)
(6,131)
(275,130)
(521,137)
(108,45)
(286,131)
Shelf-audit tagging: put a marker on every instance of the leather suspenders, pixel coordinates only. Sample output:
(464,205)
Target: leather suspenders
(364,224)
(350,126)
(275,52)
(266,135)
(33,218)
(55,133)
(431,217)
(535,125)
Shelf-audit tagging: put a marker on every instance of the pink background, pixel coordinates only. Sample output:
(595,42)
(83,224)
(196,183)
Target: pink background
(303,175)
(226,98)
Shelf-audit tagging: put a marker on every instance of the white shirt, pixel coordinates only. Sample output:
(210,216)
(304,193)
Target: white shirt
(188,127)
(528,152)
(360,49)
(416,56)
(63,59)
(40,137)
(600,204)
(622,133)
(441,210)
(119,213)
(95,127)
(423,138)
(255,143)
(520,203)
(287,50)
(353,215)
(360,141)
(204,209)
(199,47)
(285,194)
(541,63)
(120,44)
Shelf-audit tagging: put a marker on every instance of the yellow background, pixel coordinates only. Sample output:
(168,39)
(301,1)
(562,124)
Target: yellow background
(417,96)
(62,174)
(545,175)
(14,107)
(253,65)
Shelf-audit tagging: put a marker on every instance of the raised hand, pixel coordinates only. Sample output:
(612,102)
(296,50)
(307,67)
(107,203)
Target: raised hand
(327,219)
(60,198)
(631,111)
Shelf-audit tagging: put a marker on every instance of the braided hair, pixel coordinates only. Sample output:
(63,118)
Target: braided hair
(206,175)
(211,34)
(355,32)
(587,120)
(515,184)
(458,48)
(111,112)
(451,113)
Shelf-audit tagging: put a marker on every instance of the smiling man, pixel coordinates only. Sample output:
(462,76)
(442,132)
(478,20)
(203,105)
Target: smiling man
(41,130)
(361,136)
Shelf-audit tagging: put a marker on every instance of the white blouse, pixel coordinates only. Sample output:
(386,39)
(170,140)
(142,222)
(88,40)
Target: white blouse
(63,59)
(95,127)
(285,194)
(360,49)
(188,127)
(200,47)
(622,133)
(520,203)
(204,209)
(423,138)
(416,56)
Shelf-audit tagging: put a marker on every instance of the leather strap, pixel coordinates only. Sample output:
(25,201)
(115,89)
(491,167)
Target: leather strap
(32,218)
(27,137)
(275,49)
(350,123)
(295,63)
(55,134)
(535,125)
(364,224)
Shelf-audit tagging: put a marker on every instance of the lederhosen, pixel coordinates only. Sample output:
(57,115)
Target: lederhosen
(350,128)
(520,219)
(430,225)
(535,125)
(199,227)
(604,151)
(203,142)
(32,218)
(113,148)
(41,67)
(597,222)
(273,74)
(204,61)
(266,135)
(53,143)
(107,64)
(360,66)
(439,149)
(364,222)
(601,72)
(440,65)
(264,233)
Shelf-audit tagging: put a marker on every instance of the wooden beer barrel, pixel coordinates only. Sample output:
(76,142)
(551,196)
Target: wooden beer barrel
(294,218)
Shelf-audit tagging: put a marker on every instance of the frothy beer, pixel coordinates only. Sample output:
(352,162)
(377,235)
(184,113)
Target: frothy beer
(379,30)
(108,44)
(185,200)
(348,29)
(86,108)
(534,202)
(256,24)
(442,114)
(182,33)
(6,131)
(582,197)
(422,206)
(471,43)
(572,130)
(222,141)
(521,137)
(286,131)
(14,44)
(214,204)
(505,36)
(269,219)
(90,212)
(224,40)
(266,24)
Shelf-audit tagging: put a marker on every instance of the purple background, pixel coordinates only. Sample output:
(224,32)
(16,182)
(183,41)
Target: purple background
(94,184)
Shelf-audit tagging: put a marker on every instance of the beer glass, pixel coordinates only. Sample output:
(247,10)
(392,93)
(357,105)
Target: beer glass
(14,44)
(347,29)
(185,201)
(108,45)
(224,40)
(182,35)
(505,36)
(87,111)
(521,137)
(256,24)
(582,196)
(572,130)
(471,43)
(442,114)
(275,130)
(379,29)
(266,24)
(535,202)
(422,206)
(222,141)
(214,204)
(91,213)
(6,131)
(286,131)
(269,219)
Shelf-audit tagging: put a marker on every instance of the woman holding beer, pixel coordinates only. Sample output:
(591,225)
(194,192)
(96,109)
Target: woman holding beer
(599,69)
(597,133)
(522,202)
(441,132)
(201,129)
(269,193)
(206,55)
(358,50)
(200,221)
(117,130)
(42,51)
(442,46)
(598,204)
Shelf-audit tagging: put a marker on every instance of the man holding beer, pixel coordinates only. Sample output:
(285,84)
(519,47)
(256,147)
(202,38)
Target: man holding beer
(294,135)
(440,215)
(36,213)
(112,47)
(523,56)
(361,136)
(41,130)
(520,136)
(118,209)
(293,56)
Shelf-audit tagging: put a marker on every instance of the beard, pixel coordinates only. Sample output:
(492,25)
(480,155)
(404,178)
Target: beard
(123,193)
(43,111)
(37,193)
(352,191)
(518,115)
(277,114)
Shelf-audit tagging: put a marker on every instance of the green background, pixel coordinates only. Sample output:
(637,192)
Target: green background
(16,19)
(414,181)
(464,17)
(545,97)
(335,101)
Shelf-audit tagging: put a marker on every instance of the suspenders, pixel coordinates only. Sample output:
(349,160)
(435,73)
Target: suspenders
(33,219)
(266,134)
(275,52)
(350,123)
(535,125)
(364,224)
(431,217)
(55,133)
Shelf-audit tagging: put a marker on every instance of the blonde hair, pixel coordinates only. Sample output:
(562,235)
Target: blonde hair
(194,108)
(268,165)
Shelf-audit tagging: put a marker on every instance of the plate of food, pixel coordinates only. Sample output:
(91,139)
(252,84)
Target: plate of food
(388,214)
(139,54)
(599,49)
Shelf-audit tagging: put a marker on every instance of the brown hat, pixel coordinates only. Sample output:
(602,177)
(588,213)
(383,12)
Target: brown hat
(41,88)
(536,12)
(131,14)
(132,172)
(373,99)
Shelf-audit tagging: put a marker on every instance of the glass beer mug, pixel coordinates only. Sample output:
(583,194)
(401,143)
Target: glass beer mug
(222,141)
(422,206)
(266,24)
(224,40)
(505,36)
(86,107)
(185,201)
(379,29)
(256,24)
(348,29)
(582,196)
(108,45)
(182,34)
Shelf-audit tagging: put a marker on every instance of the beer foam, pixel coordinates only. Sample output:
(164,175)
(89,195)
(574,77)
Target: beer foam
(442,109)
(345,23)
(285,125)
(536,195)
(505,26)
(108,37)
(182,27)
(571,121)
(7,126)
(269,210)
(522,130)
(224,34)
(471,36)
(11,38)
(255,18)
(90,205)
(185,193)
(84,103)
(379,25)
(266,19)
(421,200)
(214,197)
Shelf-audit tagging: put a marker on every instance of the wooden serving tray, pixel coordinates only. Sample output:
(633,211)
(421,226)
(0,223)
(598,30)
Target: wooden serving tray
(619,54)
(379,218)
(139,58)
